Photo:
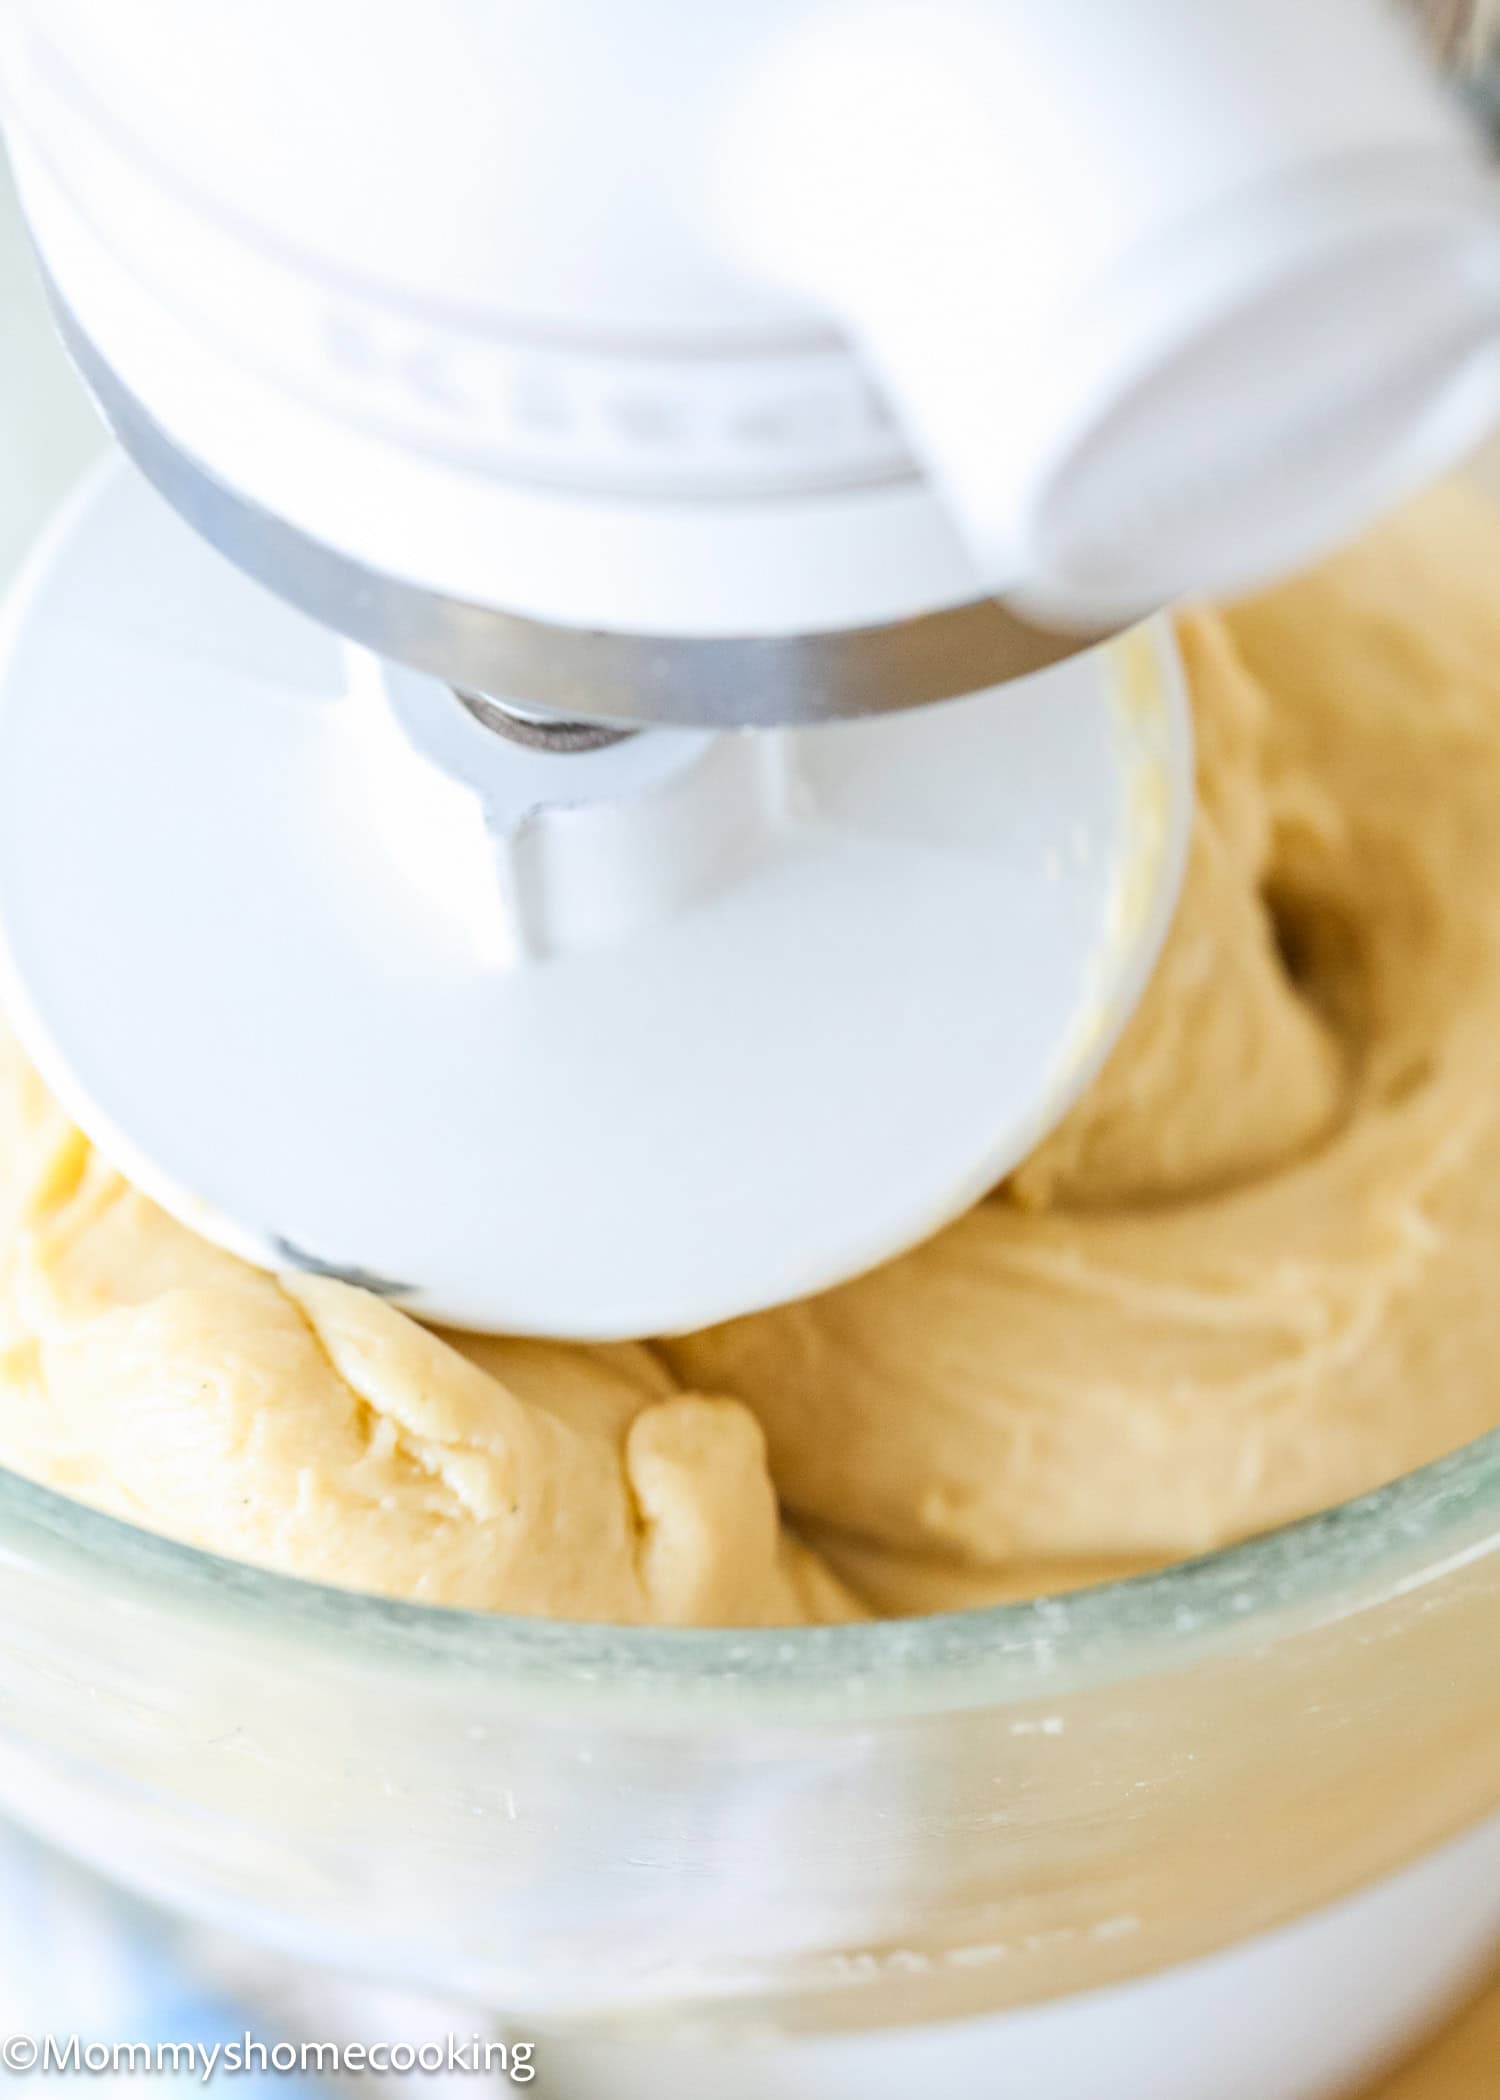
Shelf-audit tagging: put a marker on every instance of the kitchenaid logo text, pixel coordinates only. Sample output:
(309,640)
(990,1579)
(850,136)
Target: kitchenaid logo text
(55,2054)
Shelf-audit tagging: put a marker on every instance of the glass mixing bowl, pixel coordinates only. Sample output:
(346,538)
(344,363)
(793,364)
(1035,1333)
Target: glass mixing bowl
(820,1829)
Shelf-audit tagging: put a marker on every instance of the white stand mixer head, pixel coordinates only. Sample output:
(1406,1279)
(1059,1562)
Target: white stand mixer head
(503,336)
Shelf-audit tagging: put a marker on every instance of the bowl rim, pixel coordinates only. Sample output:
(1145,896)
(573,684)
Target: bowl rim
(1356,1556)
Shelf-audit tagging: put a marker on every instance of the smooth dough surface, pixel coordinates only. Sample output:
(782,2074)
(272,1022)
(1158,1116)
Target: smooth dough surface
(1250,1276)
(307,1426)
(1254,1273)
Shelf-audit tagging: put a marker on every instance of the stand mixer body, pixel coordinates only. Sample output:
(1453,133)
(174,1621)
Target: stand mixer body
(662,323)
(535,389)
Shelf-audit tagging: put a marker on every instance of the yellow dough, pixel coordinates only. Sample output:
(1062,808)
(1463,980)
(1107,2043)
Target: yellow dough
(1253,1274)
(1250,1276)
(308,1426)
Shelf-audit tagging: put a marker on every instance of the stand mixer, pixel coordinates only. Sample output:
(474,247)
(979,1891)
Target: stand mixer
(597,779)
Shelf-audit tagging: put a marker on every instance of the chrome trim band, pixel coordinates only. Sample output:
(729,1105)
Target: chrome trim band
(586,674)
